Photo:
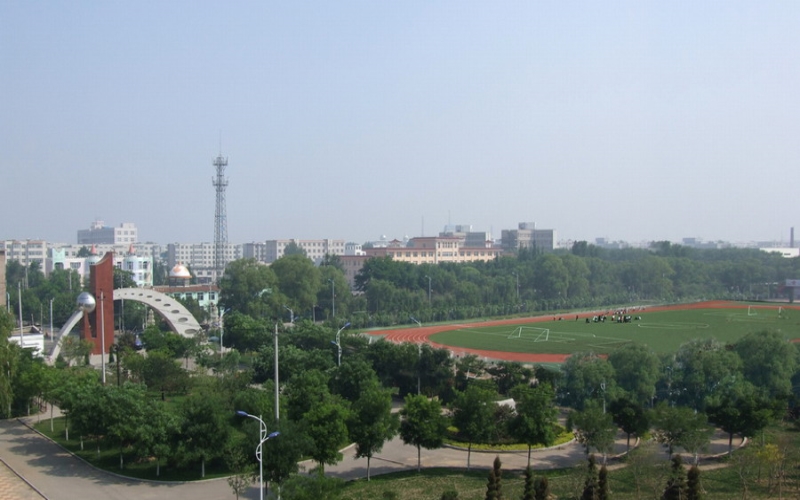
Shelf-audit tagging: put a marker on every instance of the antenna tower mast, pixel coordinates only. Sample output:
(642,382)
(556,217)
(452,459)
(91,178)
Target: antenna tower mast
(220,218)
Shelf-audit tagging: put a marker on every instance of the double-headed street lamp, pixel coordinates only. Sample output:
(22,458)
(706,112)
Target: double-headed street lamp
(263,437)
(291,313)
(338,343)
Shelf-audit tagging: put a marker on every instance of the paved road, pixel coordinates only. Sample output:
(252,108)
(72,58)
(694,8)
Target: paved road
(60,476)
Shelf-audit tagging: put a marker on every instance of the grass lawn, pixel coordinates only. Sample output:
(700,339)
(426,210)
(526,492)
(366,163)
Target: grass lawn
(662,331)
(720,483)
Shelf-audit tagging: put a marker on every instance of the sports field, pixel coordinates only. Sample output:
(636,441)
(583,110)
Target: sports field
(663,329)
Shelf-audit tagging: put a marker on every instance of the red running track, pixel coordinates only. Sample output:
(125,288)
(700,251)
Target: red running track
(422,334)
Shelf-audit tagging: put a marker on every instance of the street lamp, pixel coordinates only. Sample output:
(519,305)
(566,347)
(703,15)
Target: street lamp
(222,329)
(291,313)
(103,335)
(51,319)
(333,298)
(338,343)
(263,437)
(516,275)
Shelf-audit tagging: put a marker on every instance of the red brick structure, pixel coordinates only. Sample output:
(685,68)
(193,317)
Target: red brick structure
(101,285)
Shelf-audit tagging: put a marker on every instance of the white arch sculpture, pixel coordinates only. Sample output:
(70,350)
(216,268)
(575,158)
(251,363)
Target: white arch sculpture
(179,318)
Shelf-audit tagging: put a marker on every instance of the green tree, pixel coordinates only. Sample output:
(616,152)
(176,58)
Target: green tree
(603,489)
(298,279)
(473,415)
(494,489)
(123,415)
(768,362)
(676,485)
(541,489)
(745,414)
(304,391)
(590,485)
(353,378)
(681,426)
(702,367)
(283,454)
(156,437)
(162,374)
(508,374)
(593,428)
(245,287)
(372,422)
(536,416)
(205,429)
(587,377)
(529,492)
(694,491)
(637,369)
(630,417)
(326,425)
(422,424)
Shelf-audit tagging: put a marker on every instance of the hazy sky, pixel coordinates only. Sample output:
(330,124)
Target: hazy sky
(627,120)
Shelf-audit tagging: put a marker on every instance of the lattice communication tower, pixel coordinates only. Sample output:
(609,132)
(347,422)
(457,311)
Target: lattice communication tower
(220,217)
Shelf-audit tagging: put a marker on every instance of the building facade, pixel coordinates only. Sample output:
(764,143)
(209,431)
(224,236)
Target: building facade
(200,257)
(98,233)
(527,236)
(272,250)
(422,250)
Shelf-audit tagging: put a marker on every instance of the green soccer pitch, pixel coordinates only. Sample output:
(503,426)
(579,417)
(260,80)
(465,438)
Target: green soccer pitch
(662,331)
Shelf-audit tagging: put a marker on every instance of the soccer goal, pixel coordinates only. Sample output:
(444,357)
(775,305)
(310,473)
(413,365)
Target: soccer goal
(751,311)
(533,333)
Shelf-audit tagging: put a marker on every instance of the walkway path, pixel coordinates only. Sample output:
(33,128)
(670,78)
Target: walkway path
(60,476)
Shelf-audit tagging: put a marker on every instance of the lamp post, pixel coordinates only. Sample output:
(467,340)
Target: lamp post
(263,437)
(222,330)
(51,319)
(277,392)
(103,335)
(516,275)
(338,343)
(291,313)
(19,299)
(429,290)
(333,298)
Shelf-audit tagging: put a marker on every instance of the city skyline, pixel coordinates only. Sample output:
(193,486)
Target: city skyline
(630,121)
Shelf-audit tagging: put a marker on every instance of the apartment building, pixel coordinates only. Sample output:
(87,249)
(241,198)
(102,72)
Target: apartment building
(272,250)
(527,236)
(98,233)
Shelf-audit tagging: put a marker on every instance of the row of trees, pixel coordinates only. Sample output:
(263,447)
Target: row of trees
(390,292)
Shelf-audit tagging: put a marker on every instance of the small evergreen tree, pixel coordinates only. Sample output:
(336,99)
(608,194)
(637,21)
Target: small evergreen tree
(676,485)
(498,477)
(529,493)
(590,486)
(694,490)
(491,486)
(449,495)
(603,490)
(542,489)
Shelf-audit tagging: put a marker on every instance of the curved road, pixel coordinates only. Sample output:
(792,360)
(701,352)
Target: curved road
(57,475)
